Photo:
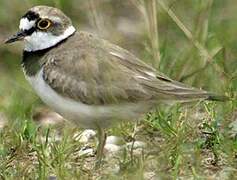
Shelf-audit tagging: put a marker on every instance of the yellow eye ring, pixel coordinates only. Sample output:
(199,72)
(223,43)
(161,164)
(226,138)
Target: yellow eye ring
(44,24)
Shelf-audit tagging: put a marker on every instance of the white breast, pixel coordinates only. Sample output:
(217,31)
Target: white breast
(88,116)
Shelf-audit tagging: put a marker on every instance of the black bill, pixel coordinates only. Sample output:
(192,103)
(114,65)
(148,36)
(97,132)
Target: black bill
(16,37)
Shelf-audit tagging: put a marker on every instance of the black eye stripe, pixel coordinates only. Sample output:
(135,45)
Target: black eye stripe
(30,15)
(30,31)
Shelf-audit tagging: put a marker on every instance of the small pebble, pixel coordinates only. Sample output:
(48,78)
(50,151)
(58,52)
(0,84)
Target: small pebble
(85,136)
(233,126)
(54,138)
(111,149)
(52,177)
(150,175)
(114,140)
(86,152)
(136,144)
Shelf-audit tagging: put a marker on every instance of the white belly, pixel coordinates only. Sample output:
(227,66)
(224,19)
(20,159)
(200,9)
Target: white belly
(87,116)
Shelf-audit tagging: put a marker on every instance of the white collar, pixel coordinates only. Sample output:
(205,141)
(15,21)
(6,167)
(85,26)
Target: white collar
(42,40)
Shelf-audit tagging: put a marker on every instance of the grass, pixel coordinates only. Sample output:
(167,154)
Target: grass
(197,45)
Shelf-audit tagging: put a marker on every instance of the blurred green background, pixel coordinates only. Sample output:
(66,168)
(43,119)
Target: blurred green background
(197,45)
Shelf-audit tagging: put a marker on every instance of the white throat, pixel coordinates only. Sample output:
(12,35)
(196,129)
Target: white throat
(42,40)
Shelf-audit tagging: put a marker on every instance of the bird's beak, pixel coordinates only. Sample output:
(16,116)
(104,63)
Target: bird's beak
(16,37)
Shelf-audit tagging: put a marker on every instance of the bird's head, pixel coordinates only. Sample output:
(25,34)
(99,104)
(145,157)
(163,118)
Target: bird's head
(42,27)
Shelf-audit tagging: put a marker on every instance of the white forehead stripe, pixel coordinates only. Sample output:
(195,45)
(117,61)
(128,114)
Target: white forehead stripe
(25,24)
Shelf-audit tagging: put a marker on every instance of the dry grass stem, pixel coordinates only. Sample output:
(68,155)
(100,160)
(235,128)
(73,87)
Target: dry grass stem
(203,51)
(149,11)
(139,5)
(96,17)
(151,19)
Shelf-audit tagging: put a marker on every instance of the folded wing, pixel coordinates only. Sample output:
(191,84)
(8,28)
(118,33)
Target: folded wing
(96,72)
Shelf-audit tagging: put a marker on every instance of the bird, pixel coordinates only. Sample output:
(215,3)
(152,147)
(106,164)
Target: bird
(88,80)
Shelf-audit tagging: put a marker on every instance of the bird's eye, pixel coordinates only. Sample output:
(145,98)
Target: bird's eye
(44,24)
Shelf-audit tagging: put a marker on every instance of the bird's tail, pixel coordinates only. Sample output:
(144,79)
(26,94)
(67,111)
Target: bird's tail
(193,95)
(215,97)
(170,90)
